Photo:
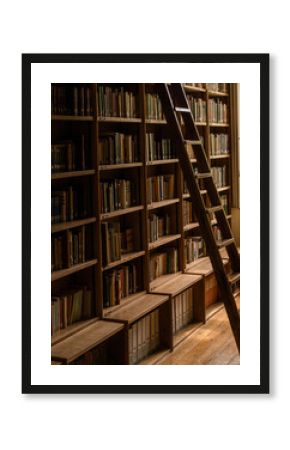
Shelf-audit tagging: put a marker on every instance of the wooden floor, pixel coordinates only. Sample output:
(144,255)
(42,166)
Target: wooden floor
(211,344)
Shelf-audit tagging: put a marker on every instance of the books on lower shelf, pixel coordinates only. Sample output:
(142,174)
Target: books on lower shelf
(198,108)
(68,249)
(70,307)
(119,284)
(72,99)
(116,241)
(118,194)
(116,102)
(194,248)
(158,148)
(219,174)
(217,111)
(68,155)
(118,148)
(160,188)
(144,337)
(162,263)
(159,225)
(182,310)
(153,107)
(219,144)
(68,204)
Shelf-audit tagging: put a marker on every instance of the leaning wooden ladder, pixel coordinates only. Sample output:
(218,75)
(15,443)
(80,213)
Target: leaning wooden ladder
(184,132)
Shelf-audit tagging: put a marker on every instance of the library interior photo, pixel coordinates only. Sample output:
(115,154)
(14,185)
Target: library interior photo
(145,224)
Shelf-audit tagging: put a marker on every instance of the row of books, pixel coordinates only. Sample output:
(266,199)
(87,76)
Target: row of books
(219,174)
(163,263)
(144,337)
(67,156)
(158,226)
(118,148)
(115,241)
(198,108)
(116,102)
(219,143)
(153,107)
(68,204)
(69,249)
(160,188)
(218,87)
(70,307)
(119,284)
(194,248)
(117,194)
(217,111)
(182,310)
(187,212)
(158,148)
(71,100)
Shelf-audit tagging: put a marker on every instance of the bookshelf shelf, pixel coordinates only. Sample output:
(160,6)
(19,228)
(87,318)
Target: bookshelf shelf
(155,122)
(120,166)
(61,117)
(162,204)
(189,88)
(121,212)
(56,275)
(142,305)
(84,340)
(161,162)
(57,227)
(190,226)
(119,119)
(217,94)
(224,188)
(163,241)
(90,144)
(225,156)
(70,330)
(124,259)
(219,125)
(74,174)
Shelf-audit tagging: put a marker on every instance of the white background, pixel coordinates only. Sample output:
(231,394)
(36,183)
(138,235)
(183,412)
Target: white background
(144,421)
(248,372)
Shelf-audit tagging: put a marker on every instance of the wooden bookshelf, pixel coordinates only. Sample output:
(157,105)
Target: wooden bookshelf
(125,139)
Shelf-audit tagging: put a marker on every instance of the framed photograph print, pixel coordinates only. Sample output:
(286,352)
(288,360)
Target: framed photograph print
(145,223)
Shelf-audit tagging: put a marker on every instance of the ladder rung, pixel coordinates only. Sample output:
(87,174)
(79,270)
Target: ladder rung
(233,277)
(203,175)
(225,242)
(181,109)
(214,209)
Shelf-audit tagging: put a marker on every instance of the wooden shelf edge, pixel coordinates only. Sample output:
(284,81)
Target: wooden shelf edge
(164,240)
(69,271)
(57,227)
(162,203)
(155,162)
(72,118)
(120,166)
(120,119)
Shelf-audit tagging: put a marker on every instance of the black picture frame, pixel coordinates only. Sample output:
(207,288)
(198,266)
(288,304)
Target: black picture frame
(263,61)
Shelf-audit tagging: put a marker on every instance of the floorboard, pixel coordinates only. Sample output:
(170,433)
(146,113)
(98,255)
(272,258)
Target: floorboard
(211,344)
